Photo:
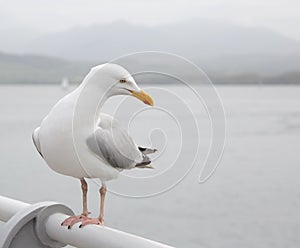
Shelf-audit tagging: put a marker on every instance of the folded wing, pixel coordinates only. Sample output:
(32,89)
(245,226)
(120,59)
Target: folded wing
(113,144)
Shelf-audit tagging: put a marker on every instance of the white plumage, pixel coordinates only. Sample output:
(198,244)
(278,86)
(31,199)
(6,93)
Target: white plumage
(105,148)
(76,139)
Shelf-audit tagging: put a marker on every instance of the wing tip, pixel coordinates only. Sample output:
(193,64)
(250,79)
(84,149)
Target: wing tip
(146,151)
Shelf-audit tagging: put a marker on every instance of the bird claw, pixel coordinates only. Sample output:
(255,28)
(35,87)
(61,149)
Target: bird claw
(71,221)
(91,221)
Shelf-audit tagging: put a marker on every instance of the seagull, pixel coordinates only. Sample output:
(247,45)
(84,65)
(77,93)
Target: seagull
(76,139)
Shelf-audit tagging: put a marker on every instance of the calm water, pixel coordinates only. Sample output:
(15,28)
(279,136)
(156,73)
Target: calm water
(253,199)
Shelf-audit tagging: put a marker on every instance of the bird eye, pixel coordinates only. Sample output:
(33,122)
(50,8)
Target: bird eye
(122,81)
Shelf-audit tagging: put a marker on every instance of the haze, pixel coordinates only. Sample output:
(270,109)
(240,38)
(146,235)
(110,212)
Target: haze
(233,41)
(51,16)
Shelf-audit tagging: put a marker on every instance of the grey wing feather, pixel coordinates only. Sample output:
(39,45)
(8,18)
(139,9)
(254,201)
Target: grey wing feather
(113,144)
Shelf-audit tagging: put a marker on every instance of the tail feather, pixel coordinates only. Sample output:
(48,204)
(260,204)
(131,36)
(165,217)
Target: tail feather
(147,150)
(146,163)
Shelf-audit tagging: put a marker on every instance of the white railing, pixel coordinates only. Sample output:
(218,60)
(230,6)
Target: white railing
(38,225)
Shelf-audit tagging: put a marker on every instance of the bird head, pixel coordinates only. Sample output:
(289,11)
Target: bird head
(116,80)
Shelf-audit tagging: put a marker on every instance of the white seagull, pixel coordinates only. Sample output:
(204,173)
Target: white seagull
(76,139)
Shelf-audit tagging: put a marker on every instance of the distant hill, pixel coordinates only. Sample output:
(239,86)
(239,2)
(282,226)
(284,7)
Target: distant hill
(223,50)
(33,69)
(39,69)
(216,47)
(260,63)
(193,39)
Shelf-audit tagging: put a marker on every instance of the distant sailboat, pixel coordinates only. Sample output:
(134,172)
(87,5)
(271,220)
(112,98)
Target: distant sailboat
(65,83)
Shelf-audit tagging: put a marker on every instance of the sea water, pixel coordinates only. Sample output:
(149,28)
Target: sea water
(252,199)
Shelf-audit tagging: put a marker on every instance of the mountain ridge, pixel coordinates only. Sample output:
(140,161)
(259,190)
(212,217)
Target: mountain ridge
(38,69)
(190,39)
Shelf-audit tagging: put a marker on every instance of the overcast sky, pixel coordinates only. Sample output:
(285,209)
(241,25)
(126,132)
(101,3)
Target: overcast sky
(44,15)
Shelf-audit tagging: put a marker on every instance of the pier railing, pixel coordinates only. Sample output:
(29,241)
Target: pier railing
(38,225)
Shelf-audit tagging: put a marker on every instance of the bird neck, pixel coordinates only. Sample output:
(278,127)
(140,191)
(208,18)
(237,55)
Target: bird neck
(88,105)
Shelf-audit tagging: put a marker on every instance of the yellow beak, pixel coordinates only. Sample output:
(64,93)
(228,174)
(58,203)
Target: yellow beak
(143,96)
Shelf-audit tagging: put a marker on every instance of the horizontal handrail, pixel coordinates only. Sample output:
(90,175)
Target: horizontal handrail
(9,207)
(47,224)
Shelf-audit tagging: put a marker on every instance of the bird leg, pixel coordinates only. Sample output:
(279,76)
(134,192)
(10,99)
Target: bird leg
(102,194)
(100,219)
(78,218)
(84,188)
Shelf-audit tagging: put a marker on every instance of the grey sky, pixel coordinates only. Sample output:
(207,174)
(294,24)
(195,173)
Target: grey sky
(43,15)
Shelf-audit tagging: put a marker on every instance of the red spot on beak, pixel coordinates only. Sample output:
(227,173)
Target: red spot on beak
(146,102)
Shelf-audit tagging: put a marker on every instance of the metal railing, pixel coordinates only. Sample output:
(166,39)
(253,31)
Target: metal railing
(38,225)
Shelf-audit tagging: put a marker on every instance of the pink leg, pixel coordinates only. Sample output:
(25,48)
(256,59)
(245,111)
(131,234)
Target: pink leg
(102,195)
(100,219)
(75,219)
